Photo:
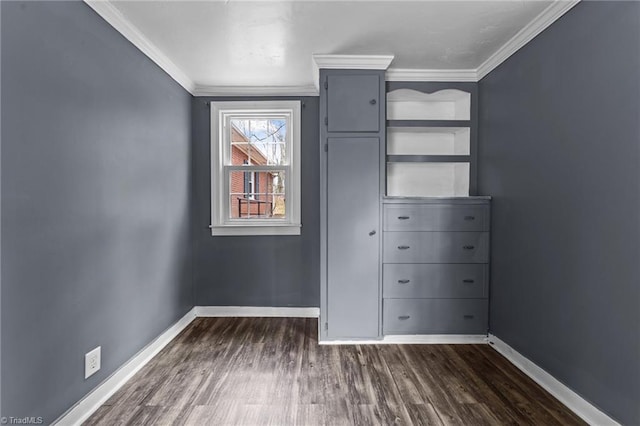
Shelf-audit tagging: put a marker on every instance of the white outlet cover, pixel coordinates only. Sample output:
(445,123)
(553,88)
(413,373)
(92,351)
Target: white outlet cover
(91,362)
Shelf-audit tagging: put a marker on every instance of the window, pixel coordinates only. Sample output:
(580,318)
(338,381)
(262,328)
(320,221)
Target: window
(255,168)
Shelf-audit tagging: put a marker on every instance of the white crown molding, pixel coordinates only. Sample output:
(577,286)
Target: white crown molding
(256,311)
(84,408)
(561,392)
(547,17)
(112,15)
(353,62)
(400,74)
(415,339)
(309,90)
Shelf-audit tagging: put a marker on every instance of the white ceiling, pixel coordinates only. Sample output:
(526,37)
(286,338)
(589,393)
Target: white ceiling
(219,44)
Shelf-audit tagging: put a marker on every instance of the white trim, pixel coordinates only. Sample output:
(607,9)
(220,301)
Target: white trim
(415,339)
(114,17)
(561,392)
(400,74)
(354,62)
(84,408)
(221,231)
(547,17)
(359,62)
(256,311)
(309,90)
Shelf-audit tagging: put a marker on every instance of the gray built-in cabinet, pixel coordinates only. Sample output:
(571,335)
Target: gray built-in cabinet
(435,266)
(352,128)
(393,262)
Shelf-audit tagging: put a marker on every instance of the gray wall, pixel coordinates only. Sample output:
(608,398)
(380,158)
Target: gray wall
(256,270)
(95,203)
(560,153)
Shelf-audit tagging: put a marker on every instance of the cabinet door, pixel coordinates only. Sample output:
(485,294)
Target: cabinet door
(353,237)
(353,103)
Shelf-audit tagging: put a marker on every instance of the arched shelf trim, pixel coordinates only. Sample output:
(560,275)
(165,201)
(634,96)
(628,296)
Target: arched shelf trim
(447,104)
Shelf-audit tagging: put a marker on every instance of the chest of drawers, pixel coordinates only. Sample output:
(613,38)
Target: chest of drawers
(435,275)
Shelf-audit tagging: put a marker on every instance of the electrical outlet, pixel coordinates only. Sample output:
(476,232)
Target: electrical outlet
(91,362)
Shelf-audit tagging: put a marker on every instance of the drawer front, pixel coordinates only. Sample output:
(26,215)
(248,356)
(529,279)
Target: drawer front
(435,316)
(436,247)
(436,217)
(406,280)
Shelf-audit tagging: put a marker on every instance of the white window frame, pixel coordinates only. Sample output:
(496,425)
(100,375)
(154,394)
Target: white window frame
(221,221)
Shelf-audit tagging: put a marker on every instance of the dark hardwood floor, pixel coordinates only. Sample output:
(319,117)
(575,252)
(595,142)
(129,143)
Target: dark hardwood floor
(259,371)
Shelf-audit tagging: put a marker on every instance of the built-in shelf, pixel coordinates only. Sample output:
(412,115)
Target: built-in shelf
(428,143)
(447,104)
(422,179)
(428,158)
(471,199)
(428,123)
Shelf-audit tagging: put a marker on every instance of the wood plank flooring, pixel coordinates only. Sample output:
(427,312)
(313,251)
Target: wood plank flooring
(271,371)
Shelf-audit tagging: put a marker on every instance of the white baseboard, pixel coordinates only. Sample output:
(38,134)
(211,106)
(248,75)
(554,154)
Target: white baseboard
(561,392)
(415,339)
(256,311)
(94,400)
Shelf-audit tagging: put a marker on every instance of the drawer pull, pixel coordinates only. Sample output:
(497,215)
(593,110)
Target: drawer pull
(404,247)
(468,247)
(403,217)
(469,218)
(468,281)
(404,281)
(468,316)
(404,317)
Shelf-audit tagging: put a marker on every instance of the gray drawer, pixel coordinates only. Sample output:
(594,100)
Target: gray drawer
(435,316)
(436,217)
(407,280)
(435,247)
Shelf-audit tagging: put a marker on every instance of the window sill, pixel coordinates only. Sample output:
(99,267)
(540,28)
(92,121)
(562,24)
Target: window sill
(230,230)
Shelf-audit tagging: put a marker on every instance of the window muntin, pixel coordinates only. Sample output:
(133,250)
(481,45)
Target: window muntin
(255,167)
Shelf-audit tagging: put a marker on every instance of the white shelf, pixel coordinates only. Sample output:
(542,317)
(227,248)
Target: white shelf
(428,141)
(428,179)
(448,104)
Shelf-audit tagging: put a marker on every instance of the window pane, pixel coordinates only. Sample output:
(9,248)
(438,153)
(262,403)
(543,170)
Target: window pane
(257,194)
(259,141)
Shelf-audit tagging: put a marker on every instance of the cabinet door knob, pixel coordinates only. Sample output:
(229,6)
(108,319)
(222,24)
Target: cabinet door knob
(373,101)
(404,317)
(372,233)
(469,218)
(404,281)
(468,281)
(403,217)
(468,247)
(468,317)
(403,247)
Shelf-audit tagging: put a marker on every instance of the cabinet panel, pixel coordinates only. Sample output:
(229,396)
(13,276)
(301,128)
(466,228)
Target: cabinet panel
(436,247)
(353,103)
(432,280)
(435,218)
(437,316)
(353,237)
